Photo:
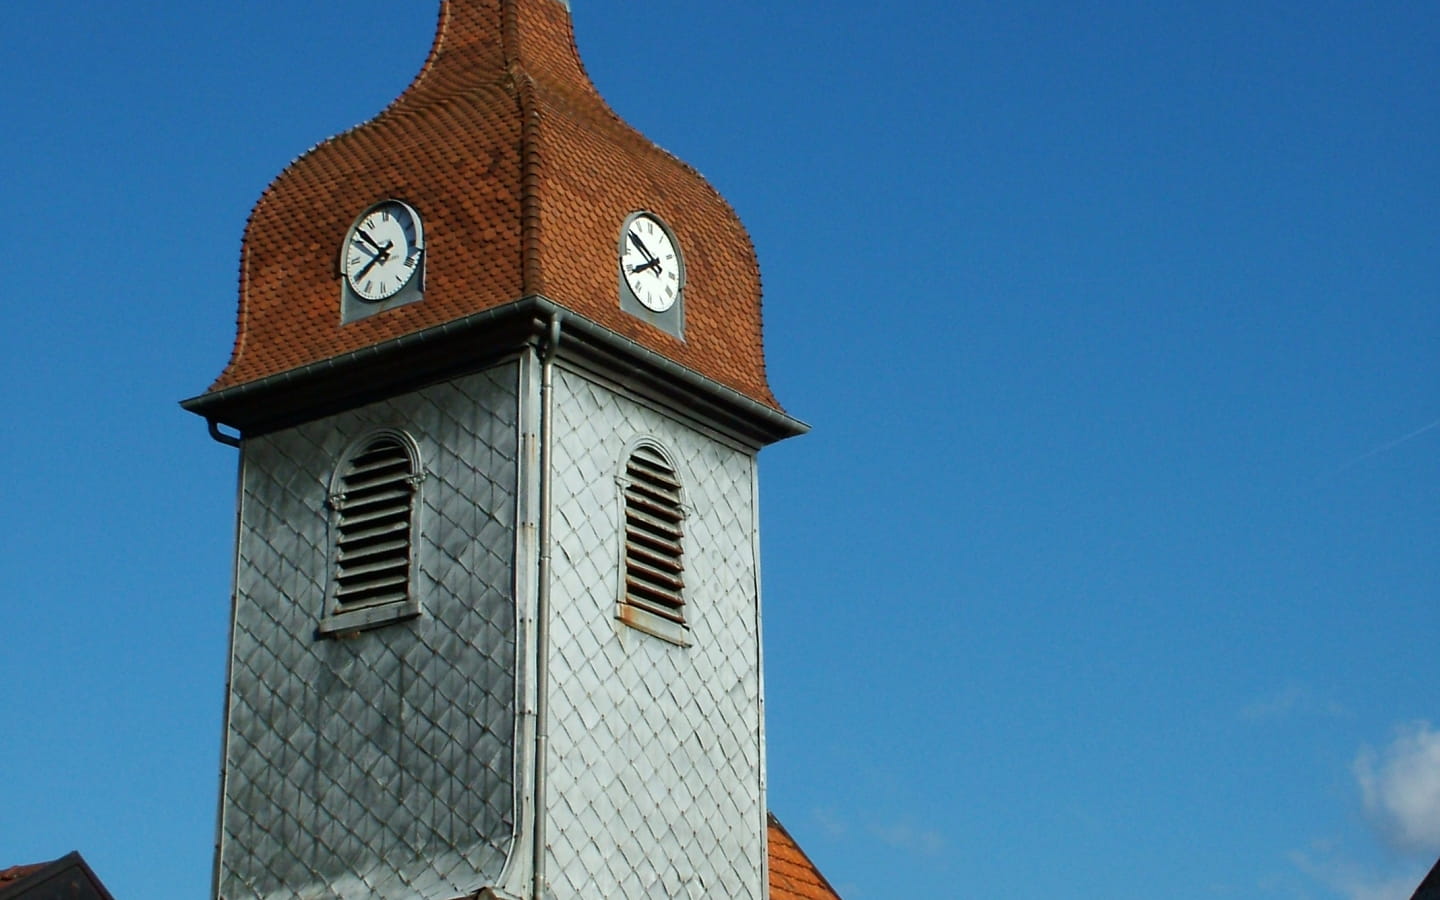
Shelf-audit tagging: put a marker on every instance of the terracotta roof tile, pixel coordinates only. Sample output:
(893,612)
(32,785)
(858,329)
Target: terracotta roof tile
(524,177)
(792,875)
(15,873)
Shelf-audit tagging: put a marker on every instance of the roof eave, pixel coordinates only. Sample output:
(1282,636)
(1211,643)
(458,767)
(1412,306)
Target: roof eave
(476,342)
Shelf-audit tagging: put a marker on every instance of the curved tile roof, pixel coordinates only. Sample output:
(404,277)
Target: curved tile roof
(523,176)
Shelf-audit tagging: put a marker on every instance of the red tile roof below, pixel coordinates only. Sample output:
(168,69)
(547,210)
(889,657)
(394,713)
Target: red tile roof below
(15,873)
(792,875)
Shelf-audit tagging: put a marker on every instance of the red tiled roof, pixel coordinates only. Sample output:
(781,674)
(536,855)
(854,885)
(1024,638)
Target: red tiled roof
(792,875)
(15,873)
(524,177)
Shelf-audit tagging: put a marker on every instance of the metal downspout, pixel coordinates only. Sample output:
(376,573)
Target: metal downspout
(221,437)
(542,601)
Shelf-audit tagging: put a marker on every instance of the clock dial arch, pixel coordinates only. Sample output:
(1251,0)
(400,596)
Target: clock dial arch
(384,251)
(652,268)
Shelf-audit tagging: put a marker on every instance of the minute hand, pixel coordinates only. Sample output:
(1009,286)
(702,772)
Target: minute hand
(640,245)
(369,240)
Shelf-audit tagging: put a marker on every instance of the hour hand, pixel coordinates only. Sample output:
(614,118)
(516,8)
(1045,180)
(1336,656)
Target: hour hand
(374,261)
(652,264)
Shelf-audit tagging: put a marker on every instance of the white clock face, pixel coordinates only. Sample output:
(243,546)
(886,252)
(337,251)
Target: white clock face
(383,250)
(650,263)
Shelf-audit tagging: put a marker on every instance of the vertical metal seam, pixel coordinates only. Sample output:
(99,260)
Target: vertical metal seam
(512,883)
(542,598)
(763,786)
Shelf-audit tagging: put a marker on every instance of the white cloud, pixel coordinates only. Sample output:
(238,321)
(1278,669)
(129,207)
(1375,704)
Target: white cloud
(1400,785)
(906,837)
(833,824)
(1354,883)
(1292,700)
(1358,887)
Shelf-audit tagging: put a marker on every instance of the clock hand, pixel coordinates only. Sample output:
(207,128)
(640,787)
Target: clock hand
(381,257)
(652,264)
(644,250)
(367,267)
(371,241)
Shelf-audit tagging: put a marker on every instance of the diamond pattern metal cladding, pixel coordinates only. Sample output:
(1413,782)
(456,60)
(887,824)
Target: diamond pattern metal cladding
(654,753)
(379,766)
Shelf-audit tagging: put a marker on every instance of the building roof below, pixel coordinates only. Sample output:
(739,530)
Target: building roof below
(67,878)
(792,875)
(1429,889)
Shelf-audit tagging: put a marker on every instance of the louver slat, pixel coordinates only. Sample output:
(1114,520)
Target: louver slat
(374,510)
(636,519)
(353,554)
(385,525)
(662,561)
(653,553)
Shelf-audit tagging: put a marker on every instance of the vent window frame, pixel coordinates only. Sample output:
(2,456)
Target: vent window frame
(370,521)
(652,564)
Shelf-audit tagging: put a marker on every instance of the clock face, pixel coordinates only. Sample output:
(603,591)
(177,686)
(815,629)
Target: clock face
(383,251)
(650,262)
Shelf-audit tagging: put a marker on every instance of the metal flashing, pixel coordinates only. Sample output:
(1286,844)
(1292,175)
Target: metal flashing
(477,342)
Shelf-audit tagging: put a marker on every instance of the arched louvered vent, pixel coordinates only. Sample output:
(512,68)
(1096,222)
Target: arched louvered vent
(374,510)
(654,567)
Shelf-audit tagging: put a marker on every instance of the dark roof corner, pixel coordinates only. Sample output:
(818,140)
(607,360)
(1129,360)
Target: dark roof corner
(67,878)
(1429,889)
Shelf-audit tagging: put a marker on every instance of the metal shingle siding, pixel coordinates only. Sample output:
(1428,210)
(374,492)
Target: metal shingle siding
(379,765)
(654,748)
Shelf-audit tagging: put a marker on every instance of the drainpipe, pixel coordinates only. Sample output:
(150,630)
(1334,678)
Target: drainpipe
(219,436)
(542,600)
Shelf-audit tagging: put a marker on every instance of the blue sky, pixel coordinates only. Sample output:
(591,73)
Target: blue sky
(1110,567)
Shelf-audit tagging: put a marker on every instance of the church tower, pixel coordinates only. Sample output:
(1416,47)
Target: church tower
(498,388)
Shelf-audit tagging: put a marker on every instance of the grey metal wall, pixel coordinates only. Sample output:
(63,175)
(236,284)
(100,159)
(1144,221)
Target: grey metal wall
(655,760)
(378,766)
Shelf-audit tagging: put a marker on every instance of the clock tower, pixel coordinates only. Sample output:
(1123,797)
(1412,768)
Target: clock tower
(498,389)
